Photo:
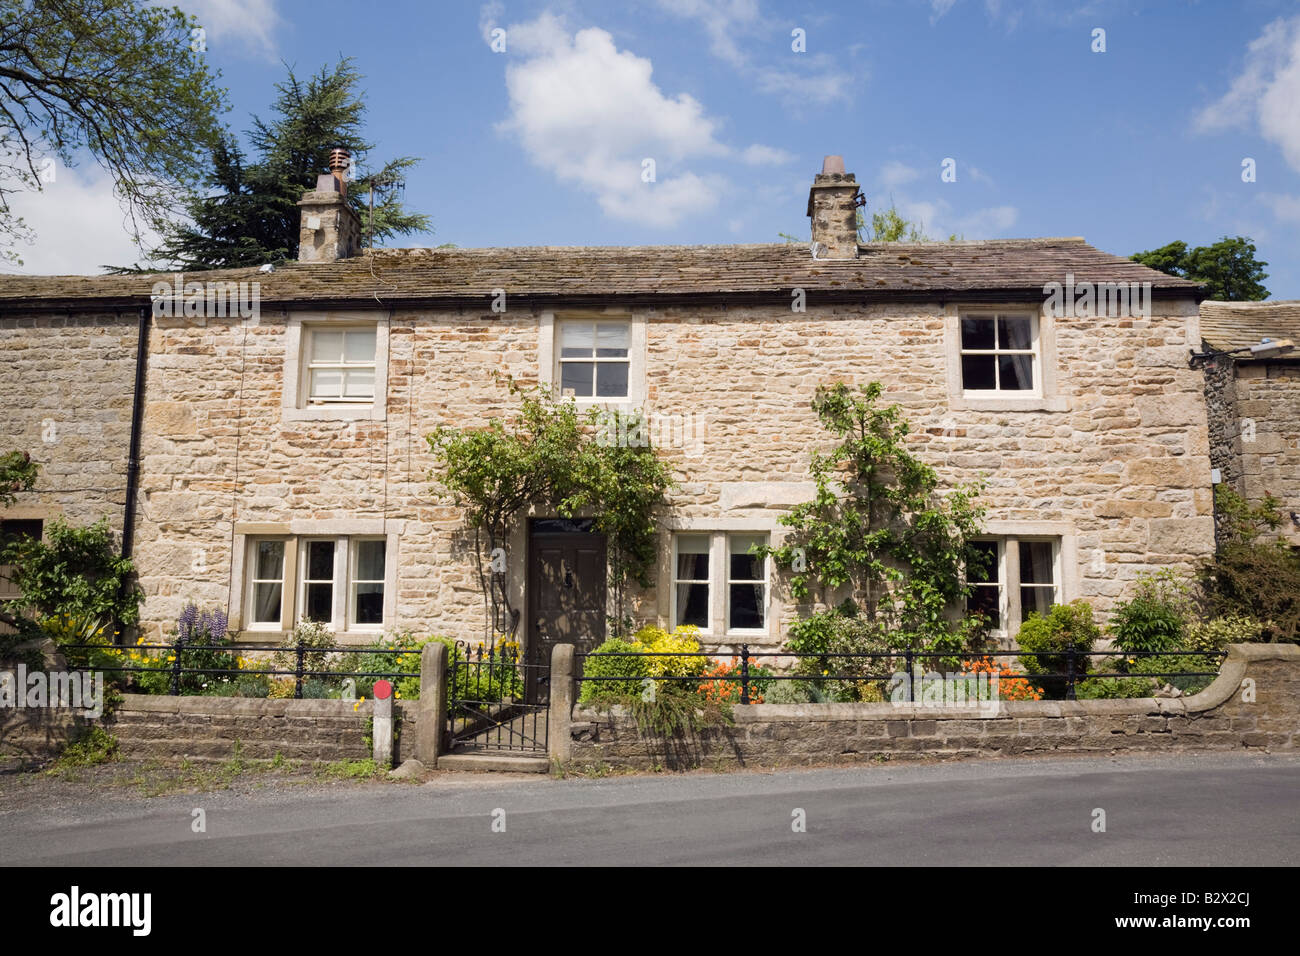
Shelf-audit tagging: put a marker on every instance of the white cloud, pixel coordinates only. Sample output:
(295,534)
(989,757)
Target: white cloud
(244,25)
(1266,91)
(760,155)
(78,225)
(894,173)
(801,77)
(1286,208)
(592,115)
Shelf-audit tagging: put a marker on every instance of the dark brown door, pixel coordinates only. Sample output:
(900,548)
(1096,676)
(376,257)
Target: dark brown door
(566,586)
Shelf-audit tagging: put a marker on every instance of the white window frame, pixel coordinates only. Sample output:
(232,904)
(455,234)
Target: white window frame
(252,581)
(708,583)
(1035,352)
(548,354)
(594,360)
(353,548)
(296,403)
(343,366)
(304,567)
(728,581)
(344,534)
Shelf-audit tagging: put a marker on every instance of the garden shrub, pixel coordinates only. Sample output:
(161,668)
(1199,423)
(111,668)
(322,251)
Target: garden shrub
(1065,626)
(1111,688)
(1217,633)
(1154,620)
(724,684)
(598,664)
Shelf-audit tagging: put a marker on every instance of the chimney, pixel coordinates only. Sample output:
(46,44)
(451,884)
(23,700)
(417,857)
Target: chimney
(330,230)
(833,203)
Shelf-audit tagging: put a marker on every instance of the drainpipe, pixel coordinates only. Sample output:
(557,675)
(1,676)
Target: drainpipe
(133,455)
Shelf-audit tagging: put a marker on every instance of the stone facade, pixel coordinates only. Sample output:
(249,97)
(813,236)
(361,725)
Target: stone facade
(1253,704)
(68,405)
(1115,463)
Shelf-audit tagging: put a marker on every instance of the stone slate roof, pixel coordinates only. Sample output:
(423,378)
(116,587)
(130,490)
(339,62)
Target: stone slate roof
(1234,325)
(466,277)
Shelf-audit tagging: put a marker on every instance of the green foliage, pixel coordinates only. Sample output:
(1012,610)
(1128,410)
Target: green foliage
(315,640)
(248,214)
(550,456)
(92,745)
(1065,626)
(598,664)
(1155,618)
(115,78)
(486,678)
(17,473)
(404,668)
(1113,688)
(1217,633)
(1228,268)
(1160,667)
(1252,576)
(75,572)
(879,526)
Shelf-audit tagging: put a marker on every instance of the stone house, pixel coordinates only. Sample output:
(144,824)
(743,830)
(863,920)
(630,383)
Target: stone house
(1253,402)
(273,460)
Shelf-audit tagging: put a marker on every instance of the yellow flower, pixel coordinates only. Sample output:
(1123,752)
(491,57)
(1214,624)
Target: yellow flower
(397,694)
(355,706)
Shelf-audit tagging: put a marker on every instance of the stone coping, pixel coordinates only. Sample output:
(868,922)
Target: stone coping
(245,706)
(1220,690)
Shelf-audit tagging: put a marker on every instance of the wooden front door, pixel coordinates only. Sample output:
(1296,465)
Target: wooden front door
(566,586)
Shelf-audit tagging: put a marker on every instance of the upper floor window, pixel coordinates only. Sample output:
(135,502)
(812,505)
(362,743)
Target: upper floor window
(999,353)
(595,358)
(341,364)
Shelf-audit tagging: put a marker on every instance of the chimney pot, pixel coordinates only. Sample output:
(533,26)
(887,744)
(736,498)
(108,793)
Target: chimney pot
(833,164)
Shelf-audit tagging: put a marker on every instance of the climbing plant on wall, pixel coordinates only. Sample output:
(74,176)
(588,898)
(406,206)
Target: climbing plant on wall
(551,455)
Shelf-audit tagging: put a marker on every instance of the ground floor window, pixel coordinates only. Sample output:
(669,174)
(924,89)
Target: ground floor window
(1020,576)
(337,581)
(719,585)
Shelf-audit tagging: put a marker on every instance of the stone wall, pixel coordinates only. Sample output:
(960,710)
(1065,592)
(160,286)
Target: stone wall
(1221,717)
(67,403)
(207,728)
(1254,410)
(1118,460)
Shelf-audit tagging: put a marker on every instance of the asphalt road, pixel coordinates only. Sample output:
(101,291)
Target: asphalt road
(1220,810)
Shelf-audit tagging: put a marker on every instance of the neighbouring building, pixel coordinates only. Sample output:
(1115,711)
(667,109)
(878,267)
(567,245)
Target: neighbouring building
(1254,402)
(283,467)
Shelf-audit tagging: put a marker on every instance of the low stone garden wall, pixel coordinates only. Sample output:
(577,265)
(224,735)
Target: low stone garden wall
(1254,703)
(207,728)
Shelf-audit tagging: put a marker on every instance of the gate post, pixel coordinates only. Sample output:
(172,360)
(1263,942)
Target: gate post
(431,723)
(559,716)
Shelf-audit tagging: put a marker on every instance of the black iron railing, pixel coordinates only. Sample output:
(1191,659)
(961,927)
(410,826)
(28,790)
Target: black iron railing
(301,652)
(497,699)
(1074,670)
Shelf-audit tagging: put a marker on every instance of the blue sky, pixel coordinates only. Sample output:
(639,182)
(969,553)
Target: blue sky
(545,143)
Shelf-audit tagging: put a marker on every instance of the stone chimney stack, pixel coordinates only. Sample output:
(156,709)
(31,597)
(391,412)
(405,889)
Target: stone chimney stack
(330,230)
(833,203)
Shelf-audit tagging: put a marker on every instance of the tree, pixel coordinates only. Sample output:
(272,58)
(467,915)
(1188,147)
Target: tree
(250,213)
(1228,268)
(17,473)
(116,78)
(879,530)
(75,573)
(887,226)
